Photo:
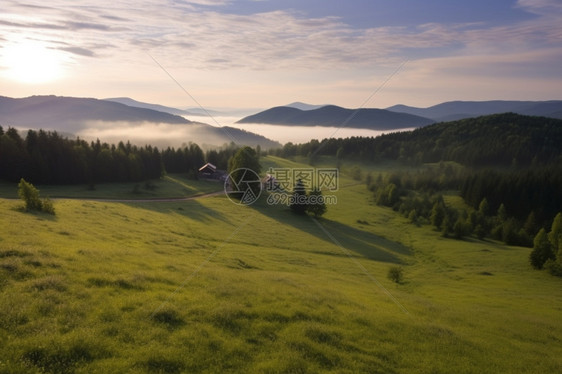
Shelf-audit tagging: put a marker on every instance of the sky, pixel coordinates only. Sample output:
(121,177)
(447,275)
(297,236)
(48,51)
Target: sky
(264,53)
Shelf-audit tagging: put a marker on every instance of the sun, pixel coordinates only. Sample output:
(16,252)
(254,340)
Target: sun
(31,63)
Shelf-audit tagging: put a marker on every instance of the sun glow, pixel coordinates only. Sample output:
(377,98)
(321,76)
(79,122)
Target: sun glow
(31,63)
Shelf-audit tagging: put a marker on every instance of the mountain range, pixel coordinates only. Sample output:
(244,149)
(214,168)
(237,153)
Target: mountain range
(335,116)
(398,116)
(72,115)
(455,110)
(193,111)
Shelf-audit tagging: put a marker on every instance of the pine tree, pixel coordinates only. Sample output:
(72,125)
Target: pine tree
(502,213)
(437,214)
(542,250)
(298,203)
(555,234)
(484,207)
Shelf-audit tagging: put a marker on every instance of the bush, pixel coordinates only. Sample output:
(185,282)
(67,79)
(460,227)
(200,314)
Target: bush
(396,274)
(30,195)
(553,267)
(47,206)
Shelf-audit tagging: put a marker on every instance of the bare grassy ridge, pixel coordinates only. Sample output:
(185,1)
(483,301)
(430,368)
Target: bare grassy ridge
(208,286)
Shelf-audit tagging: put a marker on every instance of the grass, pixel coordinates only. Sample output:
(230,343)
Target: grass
(208,286)
(170,186)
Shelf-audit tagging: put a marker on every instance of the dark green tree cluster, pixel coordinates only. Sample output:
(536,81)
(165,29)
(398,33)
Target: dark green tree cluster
(418,196)
(187,159)
(311,202)
(521,191)
(48,158)
(221,156)
(547,248)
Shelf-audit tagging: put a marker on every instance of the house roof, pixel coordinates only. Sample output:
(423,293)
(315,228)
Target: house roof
(208,165)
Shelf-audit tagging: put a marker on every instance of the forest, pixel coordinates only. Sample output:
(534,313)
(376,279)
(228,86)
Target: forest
(44,157)
(507,139)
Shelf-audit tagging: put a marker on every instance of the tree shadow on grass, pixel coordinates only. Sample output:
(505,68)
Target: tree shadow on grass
(354,240)
(40,216)
(188,208)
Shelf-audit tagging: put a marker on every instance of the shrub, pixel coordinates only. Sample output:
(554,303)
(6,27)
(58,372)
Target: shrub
(553,267)
(30,195)
(396,274)
(47,206)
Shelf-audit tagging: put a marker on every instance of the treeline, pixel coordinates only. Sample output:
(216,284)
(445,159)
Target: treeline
(511,207)
(503,140)
(522,191)
(44,157)
(47,157)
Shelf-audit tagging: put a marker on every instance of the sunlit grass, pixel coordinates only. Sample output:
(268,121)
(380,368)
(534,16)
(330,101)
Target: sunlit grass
(207,286)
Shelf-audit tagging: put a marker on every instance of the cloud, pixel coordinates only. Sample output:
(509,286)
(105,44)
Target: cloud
(541,7)
(194,39)
(185,35)
(79,51)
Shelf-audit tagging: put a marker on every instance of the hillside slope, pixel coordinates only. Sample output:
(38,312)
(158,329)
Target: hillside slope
(500,139)
(72,113)
(208,286)
(334,116)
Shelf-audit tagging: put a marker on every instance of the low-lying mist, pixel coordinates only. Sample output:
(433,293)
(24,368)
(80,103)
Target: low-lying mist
(223,130)
(161,135)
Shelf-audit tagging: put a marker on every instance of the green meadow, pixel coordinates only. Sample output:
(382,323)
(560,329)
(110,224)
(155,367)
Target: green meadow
(204,285)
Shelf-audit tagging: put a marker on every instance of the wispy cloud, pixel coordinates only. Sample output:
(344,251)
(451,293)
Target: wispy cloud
(204,38)
(198,35)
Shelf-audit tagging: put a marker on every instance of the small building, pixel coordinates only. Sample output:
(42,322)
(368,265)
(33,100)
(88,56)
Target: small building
(210,172)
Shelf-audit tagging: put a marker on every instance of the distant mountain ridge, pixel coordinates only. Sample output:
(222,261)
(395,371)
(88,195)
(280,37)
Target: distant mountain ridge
(72,115)
(304,106)
(161,108)
(455,110)
(334,116)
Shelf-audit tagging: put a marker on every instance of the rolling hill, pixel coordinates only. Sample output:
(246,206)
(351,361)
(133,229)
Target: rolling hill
(72,113)
(161,108)
(331,115)
(455,110)
(87,116)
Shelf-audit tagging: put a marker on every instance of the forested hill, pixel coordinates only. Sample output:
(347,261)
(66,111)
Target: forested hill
(500,139)
(331,115)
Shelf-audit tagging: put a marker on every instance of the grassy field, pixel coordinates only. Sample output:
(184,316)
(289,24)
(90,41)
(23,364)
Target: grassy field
(170,186)
(208,286)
